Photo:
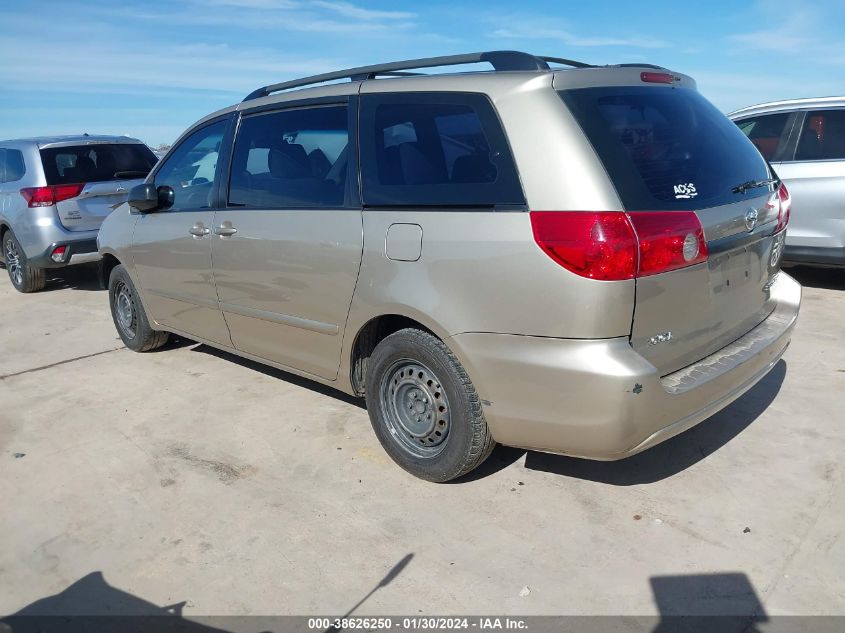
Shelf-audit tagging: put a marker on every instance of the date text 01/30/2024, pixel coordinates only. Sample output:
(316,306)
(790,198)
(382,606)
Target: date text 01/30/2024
(417,623)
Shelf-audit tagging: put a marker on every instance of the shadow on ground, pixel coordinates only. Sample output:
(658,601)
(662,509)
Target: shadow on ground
(724,602)
(82,277)
(657,463)
(280,374)
(92,605)
(824,278)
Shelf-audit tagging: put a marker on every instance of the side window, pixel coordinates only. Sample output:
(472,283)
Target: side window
(823,136)
(11,165)
(291,159)
(189,170)
(435,150)
(15,168)
(766,132)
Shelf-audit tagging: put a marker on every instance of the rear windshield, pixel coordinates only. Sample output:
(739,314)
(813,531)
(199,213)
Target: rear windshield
(666,148)
(96,163)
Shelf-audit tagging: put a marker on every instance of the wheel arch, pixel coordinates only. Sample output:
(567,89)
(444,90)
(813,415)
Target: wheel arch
(4,228)
(371,333)
(108,263)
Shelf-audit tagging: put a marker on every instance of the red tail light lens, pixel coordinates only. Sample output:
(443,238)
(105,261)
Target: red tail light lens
(784,207)
(611,245)
(598,245)
(668,240)
(50,195)
(58,253)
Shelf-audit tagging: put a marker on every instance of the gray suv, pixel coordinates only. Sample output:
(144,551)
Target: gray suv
(54,194)
(576,259)
(804,139)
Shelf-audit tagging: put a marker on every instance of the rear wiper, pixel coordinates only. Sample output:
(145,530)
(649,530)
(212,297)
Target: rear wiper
(134,173)
(753,184)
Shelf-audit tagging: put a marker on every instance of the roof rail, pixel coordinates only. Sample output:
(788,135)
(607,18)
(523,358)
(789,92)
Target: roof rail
(639,65)
(567,62)
(500,60)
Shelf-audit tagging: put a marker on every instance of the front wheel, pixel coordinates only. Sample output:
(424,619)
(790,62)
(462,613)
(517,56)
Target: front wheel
(129,316)
(424,408)
(24,276)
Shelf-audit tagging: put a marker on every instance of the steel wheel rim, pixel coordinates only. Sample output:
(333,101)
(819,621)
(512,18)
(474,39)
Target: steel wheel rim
(124,309)
(415,408)
(13,263)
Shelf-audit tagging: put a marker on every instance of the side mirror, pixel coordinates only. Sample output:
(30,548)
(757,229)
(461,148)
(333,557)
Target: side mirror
(146,198)
(166,197)
(143,197)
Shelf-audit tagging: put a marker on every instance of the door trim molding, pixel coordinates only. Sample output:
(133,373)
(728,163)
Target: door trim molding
(285,319)
(200,301)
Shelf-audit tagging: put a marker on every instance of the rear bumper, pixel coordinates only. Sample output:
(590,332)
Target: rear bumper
(600,399)
(828,256)
(78,251)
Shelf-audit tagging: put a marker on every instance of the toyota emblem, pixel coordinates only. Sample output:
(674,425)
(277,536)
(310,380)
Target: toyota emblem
(751,219)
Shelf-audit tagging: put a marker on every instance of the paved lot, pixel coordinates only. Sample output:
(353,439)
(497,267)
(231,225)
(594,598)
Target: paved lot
(190,475)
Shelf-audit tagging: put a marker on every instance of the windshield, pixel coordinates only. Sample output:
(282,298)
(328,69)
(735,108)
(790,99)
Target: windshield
(96,163)
(666,149)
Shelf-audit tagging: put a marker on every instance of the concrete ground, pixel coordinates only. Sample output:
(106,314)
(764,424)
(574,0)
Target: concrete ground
(188,475)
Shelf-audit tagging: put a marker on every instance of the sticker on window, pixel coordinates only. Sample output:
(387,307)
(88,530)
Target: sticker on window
(686,190)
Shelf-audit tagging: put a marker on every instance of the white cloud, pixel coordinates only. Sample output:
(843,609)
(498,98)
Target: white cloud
(353,11)
(252,4)
(732,90)
(796,33)
(287,20)
(536,30)
(203,67)
(332,16)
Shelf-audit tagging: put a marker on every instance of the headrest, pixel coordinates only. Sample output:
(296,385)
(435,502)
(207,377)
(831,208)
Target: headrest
(473,168)
(84,163)
(288,161)
(417,169)
(106,163)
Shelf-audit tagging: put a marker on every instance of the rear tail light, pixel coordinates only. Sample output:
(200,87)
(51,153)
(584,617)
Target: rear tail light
(58,253)
(50,195)
(612,245)
(668,240)
(598,245)
(784,202)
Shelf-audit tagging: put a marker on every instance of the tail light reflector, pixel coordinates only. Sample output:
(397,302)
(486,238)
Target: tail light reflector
(612,245)
(50,195)
(784,207)
(58,253)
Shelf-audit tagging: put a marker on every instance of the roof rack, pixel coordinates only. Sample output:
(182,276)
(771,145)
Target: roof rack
(500,60)
(640,65)
(567,62)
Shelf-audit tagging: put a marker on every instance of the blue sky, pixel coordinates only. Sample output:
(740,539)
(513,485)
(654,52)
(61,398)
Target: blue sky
(150,69)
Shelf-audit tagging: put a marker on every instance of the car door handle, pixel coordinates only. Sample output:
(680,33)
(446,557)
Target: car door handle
(225,230)
(199,229)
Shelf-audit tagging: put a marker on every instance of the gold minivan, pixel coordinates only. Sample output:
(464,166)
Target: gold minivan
(574,259)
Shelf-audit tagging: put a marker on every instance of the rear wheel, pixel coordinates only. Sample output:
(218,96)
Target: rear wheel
(424,408)
(129,316)
(24,276)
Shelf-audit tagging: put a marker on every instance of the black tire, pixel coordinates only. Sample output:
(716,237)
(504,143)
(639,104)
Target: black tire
(130,318)
(452,442)
(24,276)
